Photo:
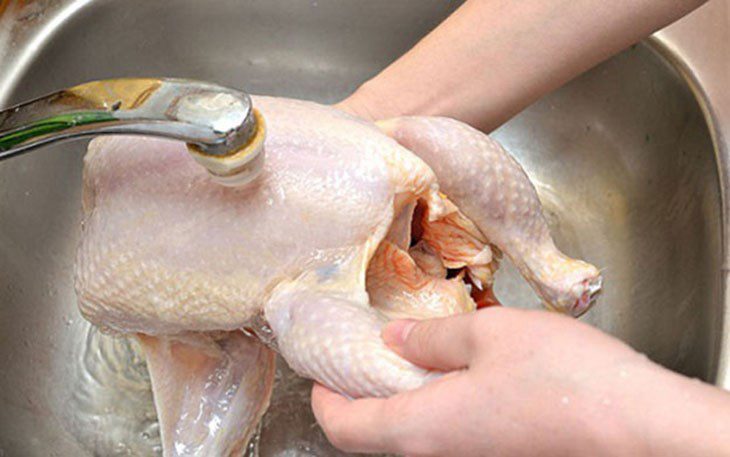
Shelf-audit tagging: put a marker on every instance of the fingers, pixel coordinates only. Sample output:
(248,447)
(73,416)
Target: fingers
(410,423)
(444,344)
(352,425)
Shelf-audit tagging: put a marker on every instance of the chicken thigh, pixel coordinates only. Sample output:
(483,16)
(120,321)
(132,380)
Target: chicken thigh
(491,188)
(344,229)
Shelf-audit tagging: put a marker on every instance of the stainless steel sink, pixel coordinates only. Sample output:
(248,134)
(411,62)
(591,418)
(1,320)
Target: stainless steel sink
(623,158)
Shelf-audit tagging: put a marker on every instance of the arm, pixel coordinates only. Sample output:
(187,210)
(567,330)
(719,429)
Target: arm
(529,383)
(492,58)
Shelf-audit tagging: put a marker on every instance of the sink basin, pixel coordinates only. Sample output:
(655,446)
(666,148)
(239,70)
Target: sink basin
(622,157)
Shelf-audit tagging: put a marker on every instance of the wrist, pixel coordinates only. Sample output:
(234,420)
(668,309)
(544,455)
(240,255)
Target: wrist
(372,103)
(677,415)
(619,415)
(640,410)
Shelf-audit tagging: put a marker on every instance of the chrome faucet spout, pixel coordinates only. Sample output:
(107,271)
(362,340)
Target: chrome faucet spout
(223,131)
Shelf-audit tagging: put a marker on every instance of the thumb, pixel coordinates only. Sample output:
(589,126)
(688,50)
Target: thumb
(444,344)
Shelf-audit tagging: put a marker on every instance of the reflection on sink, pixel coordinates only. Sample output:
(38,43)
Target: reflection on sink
(622,159)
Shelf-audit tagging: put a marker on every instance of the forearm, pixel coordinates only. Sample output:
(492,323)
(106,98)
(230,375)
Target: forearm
(492,58)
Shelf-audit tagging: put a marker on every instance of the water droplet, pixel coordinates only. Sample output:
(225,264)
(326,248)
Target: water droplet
(565,400)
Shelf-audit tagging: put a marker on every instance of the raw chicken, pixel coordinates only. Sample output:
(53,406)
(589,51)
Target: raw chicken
(210,390)
(344,229)
(492,189)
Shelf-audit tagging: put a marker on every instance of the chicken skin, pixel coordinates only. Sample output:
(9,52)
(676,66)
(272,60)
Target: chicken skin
(349,225)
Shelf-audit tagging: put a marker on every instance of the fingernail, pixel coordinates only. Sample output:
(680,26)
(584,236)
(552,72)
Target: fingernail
(395,333)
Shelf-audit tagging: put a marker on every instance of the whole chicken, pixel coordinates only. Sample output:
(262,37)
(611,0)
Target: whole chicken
(350,224)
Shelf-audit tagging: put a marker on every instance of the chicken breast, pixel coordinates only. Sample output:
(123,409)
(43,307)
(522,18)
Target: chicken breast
(344,229)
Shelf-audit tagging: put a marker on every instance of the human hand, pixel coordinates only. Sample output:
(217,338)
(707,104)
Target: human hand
(527,383)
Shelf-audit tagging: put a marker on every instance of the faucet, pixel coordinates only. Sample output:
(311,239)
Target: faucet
(222,130)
